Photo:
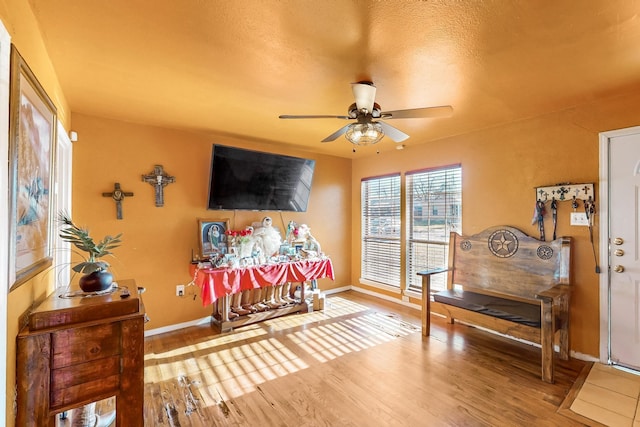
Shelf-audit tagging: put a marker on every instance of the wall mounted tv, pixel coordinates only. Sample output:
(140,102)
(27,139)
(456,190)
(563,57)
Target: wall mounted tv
(253,180)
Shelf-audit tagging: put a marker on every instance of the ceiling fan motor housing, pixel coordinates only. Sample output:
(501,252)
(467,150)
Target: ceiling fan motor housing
(354,113)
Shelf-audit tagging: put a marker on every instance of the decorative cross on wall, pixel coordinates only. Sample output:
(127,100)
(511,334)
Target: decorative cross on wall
(159,179)
(118,195)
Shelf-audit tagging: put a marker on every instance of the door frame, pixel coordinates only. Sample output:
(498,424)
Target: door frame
(62,200)
(605,230)
(5,52)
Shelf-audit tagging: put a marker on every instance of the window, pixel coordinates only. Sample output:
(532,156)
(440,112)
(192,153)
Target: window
(381,230)
(439,192)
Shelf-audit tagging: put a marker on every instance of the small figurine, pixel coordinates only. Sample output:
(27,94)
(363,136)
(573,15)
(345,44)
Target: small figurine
(310,246)
(267,238)
(291,228)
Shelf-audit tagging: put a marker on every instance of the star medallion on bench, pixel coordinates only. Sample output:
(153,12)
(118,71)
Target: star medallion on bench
(544,252)
(503,243)
(465,245)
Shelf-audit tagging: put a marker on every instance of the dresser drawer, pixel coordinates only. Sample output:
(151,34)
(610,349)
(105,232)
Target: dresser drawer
(73,384)
(75,346)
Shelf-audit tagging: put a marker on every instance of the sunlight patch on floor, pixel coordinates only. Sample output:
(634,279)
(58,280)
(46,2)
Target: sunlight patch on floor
(335,307)
(241,368)
(332,340)
(246,333)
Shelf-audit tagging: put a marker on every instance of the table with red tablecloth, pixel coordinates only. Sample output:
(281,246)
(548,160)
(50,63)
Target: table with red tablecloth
(219,285)
(217,282)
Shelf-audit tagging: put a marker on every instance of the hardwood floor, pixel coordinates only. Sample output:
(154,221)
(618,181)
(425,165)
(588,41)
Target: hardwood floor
(361,362)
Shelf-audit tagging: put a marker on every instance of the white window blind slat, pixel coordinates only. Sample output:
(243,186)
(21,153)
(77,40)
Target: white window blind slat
(380,238)
(434,209)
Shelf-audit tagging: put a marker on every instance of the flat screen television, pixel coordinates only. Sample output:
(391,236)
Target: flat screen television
(253,180)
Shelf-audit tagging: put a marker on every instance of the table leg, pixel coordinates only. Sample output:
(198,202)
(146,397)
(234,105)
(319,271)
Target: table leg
(224,315)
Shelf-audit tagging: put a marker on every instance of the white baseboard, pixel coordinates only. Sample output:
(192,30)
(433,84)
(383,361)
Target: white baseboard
(337,290)
(177,326)
(585,357)
(386,297)
(207,320)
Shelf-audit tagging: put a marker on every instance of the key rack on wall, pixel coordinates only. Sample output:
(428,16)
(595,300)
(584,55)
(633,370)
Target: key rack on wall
(553,194)
(562,192)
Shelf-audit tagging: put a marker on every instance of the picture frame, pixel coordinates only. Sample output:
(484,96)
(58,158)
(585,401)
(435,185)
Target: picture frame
(32,136)
(212,237)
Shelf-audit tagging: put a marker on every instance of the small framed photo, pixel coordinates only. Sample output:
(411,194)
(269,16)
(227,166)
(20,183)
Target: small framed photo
(212,237)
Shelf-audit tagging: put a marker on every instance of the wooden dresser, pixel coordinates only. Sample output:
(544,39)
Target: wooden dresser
(77,350)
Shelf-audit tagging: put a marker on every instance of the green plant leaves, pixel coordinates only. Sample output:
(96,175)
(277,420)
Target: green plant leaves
(80,238)
(90,267)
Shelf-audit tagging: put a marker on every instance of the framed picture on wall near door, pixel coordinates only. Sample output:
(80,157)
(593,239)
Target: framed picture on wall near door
(32,135)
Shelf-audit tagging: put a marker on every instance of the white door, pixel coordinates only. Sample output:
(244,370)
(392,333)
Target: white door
(623,251)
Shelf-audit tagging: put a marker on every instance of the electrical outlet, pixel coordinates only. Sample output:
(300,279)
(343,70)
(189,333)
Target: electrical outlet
(180,290)
(579,218)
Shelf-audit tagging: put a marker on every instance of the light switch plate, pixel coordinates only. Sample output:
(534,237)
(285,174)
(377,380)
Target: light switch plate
(579,218)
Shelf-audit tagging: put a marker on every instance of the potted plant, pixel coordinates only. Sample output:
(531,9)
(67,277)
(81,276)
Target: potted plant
(96,277)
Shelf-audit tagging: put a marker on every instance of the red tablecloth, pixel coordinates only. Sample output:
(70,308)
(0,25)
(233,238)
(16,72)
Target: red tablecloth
(219,282)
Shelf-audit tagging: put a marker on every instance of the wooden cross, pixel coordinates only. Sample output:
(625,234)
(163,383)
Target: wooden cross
(118,195)
(159,179)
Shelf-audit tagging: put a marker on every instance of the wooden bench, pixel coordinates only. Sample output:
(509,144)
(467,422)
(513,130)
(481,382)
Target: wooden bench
(503,280)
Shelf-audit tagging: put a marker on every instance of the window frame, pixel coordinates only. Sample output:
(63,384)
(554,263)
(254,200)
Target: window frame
(434,249)
(380,236)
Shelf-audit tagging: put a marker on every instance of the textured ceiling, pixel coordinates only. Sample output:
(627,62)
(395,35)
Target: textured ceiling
(231,67)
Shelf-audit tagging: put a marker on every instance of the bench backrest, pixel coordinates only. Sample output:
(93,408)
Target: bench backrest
(504,260)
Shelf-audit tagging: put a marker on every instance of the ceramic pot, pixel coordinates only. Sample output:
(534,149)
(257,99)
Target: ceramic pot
(96,281)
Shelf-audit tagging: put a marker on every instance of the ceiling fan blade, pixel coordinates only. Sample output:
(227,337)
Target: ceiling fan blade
(393,133)
(417,113)
(365,95)
(317,116)
(336,134)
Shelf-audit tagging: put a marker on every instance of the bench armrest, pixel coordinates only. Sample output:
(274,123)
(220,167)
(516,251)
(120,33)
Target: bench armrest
(432,272)
(555,293)
(426,297)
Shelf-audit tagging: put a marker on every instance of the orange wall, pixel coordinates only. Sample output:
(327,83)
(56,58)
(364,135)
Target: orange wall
(501,167)
(19,21)
(158,241)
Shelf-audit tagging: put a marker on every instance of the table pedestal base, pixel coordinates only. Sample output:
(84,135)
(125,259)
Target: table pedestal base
(229,325)
(221,320)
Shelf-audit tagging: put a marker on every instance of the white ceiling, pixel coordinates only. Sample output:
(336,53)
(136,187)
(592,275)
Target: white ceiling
(231,67)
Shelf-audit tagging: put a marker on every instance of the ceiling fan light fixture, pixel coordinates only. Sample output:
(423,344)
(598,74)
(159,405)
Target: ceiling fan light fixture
(364,133)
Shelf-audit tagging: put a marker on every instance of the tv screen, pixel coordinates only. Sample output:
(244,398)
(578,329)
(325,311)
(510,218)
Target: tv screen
(253,180)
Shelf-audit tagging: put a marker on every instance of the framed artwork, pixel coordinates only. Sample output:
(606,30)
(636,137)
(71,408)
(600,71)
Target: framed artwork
(212,237)
(32,136)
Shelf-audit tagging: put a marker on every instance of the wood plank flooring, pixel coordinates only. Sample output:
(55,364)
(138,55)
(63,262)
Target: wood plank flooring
(361,362)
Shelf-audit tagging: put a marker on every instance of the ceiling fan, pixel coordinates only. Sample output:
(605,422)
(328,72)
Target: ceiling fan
(366,130)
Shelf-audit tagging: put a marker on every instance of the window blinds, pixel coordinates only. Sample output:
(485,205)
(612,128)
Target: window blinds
(434,209)
(381,230)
